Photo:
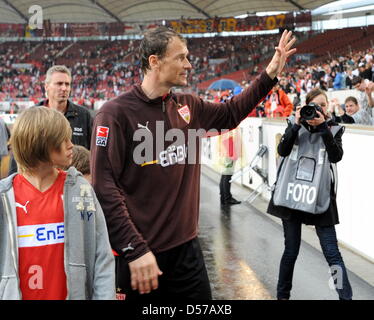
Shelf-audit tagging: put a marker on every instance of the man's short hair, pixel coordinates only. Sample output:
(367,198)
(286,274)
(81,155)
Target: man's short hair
(155,42)
(36,132)
(56,68)
(356,80)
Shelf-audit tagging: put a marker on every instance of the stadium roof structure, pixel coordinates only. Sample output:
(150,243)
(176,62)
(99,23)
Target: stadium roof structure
(131,11)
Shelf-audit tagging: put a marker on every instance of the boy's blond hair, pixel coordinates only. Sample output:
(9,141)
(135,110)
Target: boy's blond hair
(36,132)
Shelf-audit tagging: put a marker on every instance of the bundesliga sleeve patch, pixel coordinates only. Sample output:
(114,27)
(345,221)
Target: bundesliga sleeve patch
(102,134)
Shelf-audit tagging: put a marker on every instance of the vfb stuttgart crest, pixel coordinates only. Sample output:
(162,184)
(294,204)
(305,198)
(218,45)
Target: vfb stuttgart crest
(184,112)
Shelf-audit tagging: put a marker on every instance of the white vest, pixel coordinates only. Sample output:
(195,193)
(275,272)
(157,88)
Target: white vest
(304,176)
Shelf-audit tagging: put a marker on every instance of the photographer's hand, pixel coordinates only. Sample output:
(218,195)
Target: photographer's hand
(297,115)
(317,121)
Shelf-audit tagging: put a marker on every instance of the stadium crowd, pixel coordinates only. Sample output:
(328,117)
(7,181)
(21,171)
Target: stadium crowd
(103,69)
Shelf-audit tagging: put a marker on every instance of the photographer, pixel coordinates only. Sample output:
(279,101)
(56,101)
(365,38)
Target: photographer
(305,190)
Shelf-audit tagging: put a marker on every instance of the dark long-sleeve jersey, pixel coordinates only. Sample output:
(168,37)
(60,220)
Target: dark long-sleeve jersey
(146,175)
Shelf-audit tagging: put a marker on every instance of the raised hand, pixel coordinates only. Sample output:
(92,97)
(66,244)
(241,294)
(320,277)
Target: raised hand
(282,52)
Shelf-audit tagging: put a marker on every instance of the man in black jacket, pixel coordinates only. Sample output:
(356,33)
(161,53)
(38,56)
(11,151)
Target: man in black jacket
(58,88)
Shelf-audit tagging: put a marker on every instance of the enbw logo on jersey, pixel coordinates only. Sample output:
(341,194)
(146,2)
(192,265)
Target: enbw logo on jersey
(41,235)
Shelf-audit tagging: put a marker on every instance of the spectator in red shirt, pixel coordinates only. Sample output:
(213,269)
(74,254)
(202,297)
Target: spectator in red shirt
(278,99)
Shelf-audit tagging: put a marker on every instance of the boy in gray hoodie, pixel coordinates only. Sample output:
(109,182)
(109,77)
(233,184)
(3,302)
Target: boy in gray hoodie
(53,238)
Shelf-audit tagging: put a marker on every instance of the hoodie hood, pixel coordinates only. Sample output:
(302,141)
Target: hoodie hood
(72,175)
(7,183)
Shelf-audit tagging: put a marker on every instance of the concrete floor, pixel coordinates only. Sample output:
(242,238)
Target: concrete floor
(243,246)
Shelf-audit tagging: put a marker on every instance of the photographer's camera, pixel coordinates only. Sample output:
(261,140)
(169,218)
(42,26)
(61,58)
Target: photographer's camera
(309,112)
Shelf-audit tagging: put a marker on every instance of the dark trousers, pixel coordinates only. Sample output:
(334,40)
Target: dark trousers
(225,188)
(184,276)
(329,245)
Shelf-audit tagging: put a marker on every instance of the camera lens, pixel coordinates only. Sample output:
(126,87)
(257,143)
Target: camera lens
(308,112)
